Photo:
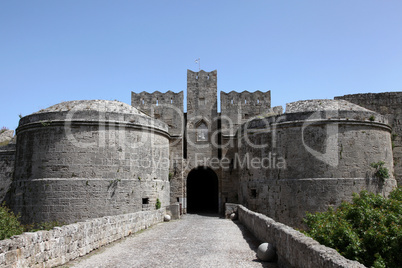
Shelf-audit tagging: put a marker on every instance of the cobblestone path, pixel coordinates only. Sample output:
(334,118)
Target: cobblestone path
(193,241)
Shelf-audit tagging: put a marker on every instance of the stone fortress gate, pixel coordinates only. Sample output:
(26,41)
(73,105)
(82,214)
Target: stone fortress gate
(313,156)
(86,159)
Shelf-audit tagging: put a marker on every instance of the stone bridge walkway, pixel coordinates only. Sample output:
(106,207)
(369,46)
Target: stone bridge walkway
(193,241)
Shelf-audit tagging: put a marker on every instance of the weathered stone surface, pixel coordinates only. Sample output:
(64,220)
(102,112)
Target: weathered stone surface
(322,105)
(91,106)
(7,162)
(292,247)
(306,161)
(388,104)
(233,216)
(230,208)
(194,241)
(86,159)
(202,117)
(238,108)
(6,136)
(167,107)
(65,243)
(174,211)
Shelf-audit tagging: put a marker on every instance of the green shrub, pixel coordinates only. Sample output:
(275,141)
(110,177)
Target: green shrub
(9,224)
(381,172)
(396,194)
(158,204)
(367,230)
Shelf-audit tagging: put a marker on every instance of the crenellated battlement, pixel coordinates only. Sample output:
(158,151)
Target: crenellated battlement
(239,107)
(246,98)
(145,100)
(167,107)
(202,77)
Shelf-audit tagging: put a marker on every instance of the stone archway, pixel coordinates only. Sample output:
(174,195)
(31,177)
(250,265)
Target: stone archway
(202,191)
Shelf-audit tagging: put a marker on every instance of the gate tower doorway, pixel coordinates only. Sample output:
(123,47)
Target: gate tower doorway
(202,191)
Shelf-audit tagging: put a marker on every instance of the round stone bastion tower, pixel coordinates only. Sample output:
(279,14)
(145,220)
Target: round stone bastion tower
(86,159)
(315,155)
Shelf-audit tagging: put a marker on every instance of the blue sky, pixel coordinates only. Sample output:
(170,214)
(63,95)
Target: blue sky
(53,51)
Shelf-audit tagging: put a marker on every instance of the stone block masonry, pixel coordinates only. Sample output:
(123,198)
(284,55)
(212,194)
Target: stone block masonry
(238,108)
(86,159)
(293,248)
(389,105)
(7,161)
(80,160)
(63,244)
(314,156)
(167,107)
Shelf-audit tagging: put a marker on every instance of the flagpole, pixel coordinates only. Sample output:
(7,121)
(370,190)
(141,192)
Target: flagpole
(199,63)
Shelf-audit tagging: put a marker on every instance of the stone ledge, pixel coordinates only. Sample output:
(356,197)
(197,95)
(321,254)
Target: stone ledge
(63,244)
(294,249)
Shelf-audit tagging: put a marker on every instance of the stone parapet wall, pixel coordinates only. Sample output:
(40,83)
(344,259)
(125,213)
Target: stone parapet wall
(293,248)
(63,244)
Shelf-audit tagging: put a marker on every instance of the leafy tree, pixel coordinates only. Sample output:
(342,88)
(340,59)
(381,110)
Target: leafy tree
(368,230)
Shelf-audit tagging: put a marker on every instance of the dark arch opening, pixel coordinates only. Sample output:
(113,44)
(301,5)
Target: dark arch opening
(202,191)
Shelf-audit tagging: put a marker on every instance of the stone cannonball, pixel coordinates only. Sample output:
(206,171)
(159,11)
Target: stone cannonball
(266,252)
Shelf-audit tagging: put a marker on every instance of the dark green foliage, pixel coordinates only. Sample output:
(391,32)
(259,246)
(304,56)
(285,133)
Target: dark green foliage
(9,224)
(368,230)
(381,172)
(396,194)
(158,204)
